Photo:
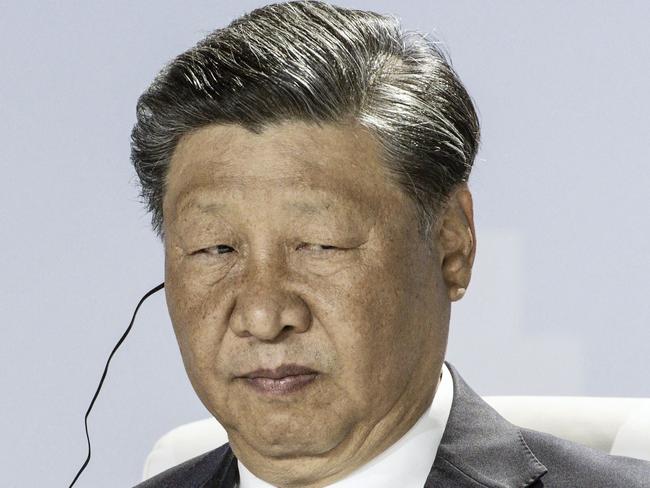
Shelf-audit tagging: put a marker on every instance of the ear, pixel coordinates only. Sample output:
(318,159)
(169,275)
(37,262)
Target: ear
(456,241)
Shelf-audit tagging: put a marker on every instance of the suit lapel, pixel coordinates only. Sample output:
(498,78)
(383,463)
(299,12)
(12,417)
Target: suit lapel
(226,474)
(481,448)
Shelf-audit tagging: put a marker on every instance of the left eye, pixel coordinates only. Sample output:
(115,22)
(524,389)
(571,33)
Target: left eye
(325,247)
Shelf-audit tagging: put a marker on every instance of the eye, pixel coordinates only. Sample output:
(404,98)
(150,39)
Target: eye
(326,247)
(214,250)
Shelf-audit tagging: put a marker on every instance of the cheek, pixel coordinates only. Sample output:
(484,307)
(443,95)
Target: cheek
(186,290)
(389,327)
(197,333)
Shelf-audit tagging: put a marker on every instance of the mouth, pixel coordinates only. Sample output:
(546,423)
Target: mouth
(286,379)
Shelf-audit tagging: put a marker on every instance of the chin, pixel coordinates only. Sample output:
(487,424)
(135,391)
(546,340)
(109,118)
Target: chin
(292,448)
(293,437)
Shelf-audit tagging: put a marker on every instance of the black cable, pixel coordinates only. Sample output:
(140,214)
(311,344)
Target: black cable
(147,295)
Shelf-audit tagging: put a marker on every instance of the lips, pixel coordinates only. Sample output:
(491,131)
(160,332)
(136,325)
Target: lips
(281,372)
(283,381)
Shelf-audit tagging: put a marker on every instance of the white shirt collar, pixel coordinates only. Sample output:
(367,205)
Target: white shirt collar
(406,463)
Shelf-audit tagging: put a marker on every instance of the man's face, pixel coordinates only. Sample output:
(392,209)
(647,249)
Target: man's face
(292,247)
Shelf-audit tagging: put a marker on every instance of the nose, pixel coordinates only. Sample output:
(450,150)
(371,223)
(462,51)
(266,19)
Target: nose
(267,311)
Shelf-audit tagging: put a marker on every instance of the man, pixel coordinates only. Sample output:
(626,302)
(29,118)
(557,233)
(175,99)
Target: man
(306,168)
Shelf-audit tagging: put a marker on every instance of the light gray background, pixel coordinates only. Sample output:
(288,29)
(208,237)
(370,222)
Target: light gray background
(559,300)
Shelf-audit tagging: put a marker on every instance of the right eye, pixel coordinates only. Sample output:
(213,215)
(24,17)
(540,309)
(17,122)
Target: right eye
(214,250)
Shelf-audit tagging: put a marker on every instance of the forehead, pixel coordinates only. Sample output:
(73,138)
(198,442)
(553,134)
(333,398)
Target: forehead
(294,159)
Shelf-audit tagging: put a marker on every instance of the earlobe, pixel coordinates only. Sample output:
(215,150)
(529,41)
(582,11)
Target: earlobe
(456,272)
(456,294)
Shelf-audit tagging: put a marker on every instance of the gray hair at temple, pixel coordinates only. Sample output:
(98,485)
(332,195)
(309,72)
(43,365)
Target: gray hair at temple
(312,61)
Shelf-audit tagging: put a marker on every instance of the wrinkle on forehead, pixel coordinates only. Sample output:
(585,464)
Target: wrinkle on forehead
(329,162)
(290,140)
(320,205)
(307,196)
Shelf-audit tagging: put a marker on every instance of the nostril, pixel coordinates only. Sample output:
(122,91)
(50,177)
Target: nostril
(282,334)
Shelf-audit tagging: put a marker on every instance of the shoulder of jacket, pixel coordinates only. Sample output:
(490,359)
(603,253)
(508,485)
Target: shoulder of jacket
(191,473)
(574,465)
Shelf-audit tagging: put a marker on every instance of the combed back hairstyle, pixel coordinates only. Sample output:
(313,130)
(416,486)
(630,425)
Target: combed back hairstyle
(315,62)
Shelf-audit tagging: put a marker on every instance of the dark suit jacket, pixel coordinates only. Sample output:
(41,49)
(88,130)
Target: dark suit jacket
(479,448)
